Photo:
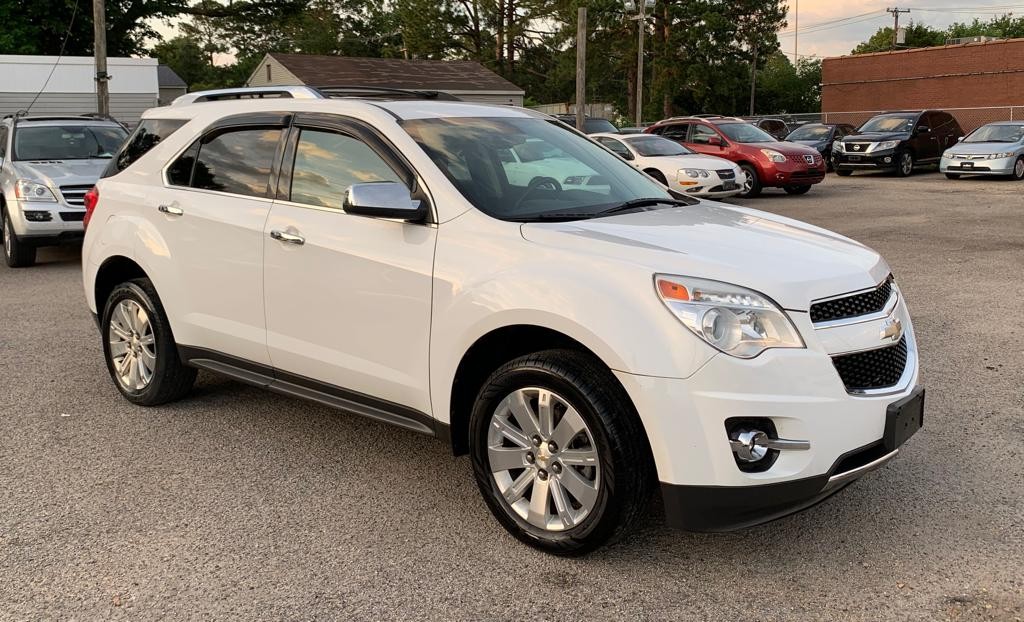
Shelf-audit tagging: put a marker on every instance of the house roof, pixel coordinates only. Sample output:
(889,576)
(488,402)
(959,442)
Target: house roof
(437,75)
(168,79)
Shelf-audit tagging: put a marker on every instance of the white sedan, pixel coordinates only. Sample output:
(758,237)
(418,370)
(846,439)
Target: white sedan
(675,166)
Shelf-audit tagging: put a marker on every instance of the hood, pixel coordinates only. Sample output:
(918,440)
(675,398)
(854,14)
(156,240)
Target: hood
(789,261)
(695,160)
(814,144)
(983,148)
(62,172)
(784,147)
(875,137)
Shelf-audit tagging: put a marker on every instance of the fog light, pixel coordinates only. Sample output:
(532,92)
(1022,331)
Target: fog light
(749,445)
(887,159)
(38,216)
(755,444)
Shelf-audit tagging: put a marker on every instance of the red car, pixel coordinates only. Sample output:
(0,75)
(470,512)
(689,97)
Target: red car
(767,162)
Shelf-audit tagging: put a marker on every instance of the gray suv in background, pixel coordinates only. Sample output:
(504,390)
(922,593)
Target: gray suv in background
(47,165)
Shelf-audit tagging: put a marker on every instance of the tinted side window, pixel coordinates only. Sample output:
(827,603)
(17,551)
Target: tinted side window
(676,132)
(148,135)
(3,142)
(237,161)
(180,172)
(326,164)
(702,134)
(615,146)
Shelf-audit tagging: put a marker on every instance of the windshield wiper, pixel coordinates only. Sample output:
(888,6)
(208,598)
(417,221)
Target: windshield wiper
(638,203)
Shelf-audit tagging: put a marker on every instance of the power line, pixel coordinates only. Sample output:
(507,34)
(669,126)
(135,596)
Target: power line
(833,21)
(64,43)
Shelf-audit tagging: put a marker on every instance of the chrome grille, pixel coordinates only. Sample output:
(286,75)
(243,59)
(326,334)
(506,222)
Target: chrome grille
(863,303)
(74,195)
(726,173)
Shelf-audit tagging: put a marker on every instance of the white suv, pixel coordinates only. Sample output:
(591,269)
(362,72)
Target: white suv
(581,343)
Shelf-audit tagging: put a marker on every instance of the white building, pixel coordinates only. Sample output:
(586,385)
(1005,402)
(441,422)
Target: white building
(71,89)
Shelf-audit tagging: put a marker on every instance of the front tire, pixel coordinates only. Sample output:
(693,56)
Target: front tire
(905,166)
(752,185)
(658,176)
(17,254)
(1018,169)
(559,453)
(844,172)
(142,356)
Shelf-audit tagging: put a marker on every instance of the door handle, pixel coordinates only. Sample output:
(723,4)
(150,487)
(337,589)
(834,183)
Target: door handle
(171,210)
(290,238)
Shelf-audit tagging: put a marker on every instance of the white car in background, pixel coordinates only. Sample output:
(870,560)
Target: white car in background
(675,166)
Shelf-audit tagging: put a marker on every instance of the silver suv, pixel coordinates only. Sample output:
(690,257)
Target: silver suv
(47,165)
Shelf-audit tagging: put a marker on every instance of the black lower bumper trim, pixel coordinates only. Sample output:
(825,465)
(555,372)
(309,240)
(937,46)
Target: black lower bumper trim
(66,237)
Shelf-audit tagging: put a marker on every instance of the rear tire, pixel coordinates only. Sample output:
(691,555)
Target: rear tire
(141,354)
(17,254)
(797,189)
(752,185)
(843,172)
(607,477)
(952,176)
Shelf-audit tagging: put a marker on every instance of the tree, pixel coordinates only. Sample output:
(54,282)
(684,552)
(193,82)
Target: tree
(918,36)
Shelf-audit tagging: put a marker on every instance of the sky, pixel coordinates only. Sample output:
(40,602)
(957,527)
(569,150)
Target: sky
(861,18)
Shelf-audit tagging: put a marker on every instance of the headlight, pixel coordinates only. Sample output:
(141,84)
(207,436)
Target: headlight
(773,155)
(691,172)
(33,191)
(885,144)
(733,319)
(1000,156)
(837,146)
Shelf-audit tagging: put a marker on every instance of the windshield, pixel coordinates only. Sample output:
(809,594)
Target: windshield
(654,146)
(901,123)
(996,134)
(67,142)
(523,168)
(810,132)
(746,133)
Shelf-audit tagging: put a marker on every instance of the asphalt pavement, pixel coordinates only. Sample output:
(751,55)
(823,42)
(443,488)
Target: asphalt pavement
(239,504)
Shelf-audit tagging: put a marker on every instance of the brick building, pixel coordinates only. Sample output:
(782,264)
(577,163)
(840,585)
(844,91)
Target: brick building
(977,82)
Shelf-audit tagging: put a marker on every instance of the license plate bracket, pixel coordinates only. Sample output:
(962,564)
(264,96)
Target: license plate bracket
(967,165)
(903,419)
(729,185)
(854,158)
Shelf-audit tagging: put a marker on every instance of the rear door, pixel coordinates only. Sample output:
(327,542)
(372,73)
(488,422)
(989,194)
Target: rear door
(348,298)
(210,218)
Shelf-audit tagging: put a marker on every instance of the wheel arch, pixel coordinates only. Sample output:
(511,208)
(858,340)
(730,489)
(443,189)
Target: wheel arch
(112,272)
(494,349)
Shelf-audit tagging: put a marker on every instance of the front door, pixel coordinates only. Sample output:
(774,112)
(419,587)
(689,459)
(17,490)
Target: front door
(348,297)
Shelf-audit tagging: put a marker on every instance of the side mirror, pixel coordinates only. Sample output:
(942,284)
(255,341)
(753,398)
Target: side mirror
(714,141)
(960,139)
(386,199)
(628,156)
(923,129)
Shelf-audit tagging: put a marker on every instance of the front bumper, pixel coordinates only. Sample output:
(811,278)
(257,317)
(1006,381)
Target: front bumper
(64,224)
(789,173)
(803,396)
(712,186)
(881,160)
(992,166)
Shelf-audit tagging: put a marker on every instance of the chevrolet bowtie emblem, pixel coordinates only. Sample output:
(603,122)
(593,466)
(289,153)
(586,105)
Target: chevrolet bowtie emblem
(892,329)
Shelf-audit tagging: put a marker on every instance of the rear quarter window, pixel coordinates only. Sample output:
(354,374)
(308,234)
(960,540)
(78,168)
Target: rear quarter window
(147,135)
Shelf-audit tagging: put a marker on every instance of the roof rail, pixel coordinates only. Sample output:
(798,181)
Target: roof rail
(371,92)
(252,92)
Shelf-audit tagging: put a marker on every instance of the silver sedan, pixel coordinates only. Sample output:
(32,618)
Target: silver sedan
(993,149)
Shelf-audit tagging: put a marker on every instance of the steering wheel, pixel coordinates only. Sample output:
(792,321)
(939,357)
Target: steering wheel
(538,183)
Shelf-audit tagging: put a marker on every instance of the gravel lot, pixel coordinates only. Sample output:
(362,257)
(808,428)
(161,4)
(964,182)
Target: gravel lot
(240,504)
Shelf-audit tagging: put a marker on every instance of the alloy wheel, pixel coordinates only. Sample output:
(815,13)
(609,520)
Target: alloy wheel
(906,163)
(6,235)
(748,183)
(132,345)
(1018,168)
(543,459)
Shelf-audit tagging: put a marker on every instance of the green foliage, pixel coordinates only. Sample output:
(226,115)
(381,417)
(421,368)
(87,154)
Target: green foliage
(919,35)
(783,87)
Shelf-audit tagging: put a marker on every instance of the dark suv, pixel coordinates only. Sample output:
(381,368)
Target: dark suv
(897,141)
(591,125)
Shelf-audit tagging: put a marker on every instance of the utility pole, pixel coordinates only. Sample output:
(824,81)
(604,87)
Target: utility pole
(753,80)
(581,67)
(99,20)
(796,33)
(641,7)
(895,11)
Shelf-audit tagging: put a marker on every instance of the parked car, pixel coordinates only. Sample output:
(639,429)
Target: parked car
(898,142)
(776,127)
(765,161)
(581,344)
(675,166)
(993,149)
(591,125)
(821,136)
(47,163)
